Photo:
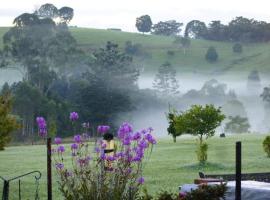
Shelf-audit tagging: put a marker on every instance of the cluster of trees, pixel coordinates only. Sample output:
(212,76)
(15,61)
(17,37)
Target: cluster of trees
(168,28)
(59,77)
(240,29)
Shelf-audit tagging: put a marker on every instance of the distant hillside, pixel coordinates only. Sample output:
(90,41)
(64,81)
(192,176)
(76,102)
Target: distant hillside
(254,56)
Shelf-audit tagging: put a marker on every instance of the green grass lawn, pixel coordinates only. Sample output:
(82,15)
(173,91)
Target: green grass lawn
(171,164)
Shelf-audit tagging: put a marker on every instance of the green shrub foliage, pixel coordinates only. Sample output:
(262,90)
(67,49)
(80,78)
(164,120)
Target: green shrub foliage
(266,145)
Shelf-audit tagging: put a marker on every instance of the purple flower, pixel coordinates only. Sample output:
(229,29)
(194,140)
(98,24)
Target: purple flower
(61,149)
(77,139)
(103,145)
(103,156)
(143,144)
(57,140)
(140,180)
(143,131)
(129,170)
(42,126)
(150,129)
(41,122)
(119,155)
(74,146)
(73,116)
(150,138)
(97,150)
(111,158)
(125,129)
(127,141)
(137,136)
(137,159)
(103,129)
(42,132)
(59,166)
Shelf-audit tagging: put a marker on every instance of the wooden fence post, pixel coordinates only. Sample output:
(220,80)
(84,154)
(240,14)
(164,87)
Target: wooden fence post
(238,173)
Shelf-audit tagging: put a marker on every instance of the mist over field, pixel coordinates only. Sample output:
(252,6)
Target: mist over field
(251,100)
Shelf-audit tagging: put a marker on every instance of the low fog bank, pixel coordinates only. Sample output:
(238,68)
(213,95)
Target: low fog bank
(249,97)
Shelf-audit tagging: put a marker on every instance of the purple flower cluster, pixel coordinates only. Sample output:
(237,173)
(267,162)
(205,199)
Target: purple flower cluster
(103,129)
(61,149)
(133,145)
(73,116)
(82,162)
(77,139)
(42,126)
(57,140)
(59,166)
(141,180)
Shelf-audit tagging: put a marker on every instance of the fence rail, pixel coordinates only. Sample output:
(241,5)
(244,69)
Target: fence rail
(37,176)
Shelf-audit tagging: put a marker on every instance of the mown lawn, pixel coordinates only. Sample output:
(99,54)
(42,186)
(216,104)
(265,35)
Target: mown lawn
(171,164)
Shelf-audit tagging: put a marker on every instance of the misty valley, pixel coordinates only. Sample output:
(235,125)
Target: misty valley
(178,110)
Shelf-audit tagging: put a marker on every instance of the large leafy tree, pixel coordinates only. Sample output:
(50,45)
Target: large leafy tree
(200,121)
(196,29)
(66,14)
(8,122)
(217,31)
(144,24)
(167,28)
(38,44)
(47,11)
(165,80)
(114,68)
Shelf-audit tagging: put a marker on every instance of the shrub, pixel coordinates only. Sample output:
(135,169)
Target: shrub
(211,54)
(202,152)
(206,192)
(8,123)
(99,175)
(237,48)
(266,145)
(165,195)
(170,53)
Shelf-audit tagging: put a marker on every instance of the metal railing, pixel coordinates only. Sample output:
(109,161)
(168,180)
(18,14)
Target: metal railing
(37,176)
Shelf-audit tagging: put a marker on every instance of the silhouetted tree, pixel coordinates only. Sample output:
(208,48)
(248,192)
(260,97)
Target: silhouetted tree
(211,54)
(167,28)
(237,48)
(165,80)
(196,29)
(144,24)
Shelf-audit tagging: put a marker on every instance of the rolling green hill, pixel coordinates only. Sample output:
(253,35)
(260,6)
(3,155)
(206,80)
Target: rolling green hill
(254,56)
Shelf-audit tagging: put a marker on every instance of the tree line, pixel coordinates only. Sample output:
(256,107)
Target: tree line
(240,29)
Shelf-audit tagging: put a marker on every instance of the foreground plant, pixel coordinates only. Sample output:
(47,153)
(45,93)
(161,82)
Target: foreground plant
(205,192)
(91,177)
(266,145)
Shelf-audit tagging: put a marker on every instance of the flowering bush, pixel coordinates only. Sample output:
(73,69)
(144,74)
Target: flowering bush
(91,177)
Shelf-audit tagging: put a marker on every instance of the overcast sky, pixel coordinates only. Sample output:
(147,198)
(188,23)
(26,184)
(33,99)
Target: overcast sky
(122,13)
